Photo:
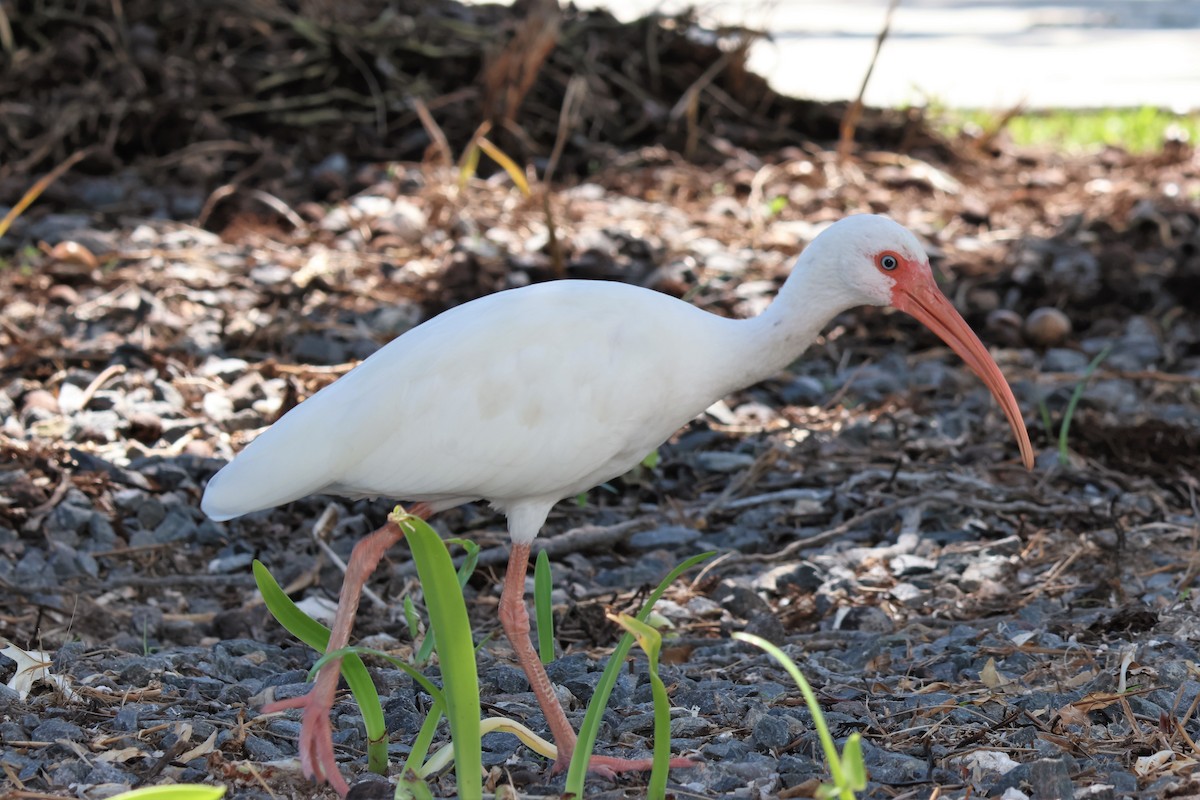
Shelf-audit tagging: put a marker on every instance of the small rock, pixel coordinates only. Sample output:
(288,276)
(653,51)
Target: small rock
(766,626)
(372,787)
(403,219)
(52,730)
(1004,326)
(908,564)
(740,601)
(227,369)
(176,526)
(507,680)
(1058,359)
(787,577)
(1046,777)
(804,391)
(724,461)
(312,348)
(771,732)
(369,205)
(259,749)
(869,619)
(665,536)
(103,772)
(1047,327)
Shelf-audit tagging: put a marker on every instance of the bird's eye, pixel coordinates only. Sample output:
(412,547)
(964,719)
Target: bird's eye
(888,262)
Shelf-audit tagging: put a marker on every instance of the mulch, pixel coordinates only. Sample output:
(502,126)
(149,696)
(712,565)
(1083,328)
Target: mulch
(986,629)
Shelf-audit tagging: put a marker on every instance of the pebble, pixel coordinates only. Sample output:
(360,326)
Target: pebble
(772,732)
(666,536)
(1045,777)
(1047,327)
(52,730)
(804,391)
(1058,359)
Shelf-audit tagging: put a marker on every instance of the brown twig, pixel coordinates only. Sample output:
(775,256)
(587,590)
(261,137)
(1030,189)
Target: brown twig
(854,112)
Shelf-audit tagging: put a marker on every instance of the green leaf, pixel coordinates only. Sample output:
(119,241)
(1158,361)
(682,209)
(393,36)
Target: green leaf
(412,787)
(649,639)
(456,653)
(177,791)
(1063,457)
(842,783)
(464,574)
(415,762)
(651,461)
(316,636)
(595,711)
(542,607)
(467,569)
(854,768)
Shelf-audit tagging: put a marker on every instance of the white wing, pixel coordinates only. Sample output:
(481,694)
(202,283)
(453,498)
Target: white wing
(538,392)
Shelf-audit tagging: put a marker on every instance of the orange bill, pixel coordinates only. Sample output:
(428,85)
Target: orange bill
(923,300)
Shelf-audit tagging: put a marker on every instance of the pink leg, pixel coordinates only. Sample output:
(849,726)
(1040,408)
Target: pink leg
(316,734)
(514,618)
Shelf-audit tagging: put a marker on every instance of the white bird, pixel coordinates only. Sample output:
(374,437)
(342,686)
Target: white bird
(532,395)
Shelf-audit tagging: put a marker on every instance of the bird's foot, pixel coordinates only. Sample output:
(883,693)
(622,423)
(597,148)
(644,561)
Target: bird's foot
(316,738)
(609,767)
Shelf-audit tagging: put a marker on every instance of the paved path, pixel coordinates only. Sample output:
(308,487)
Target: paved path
(971,53)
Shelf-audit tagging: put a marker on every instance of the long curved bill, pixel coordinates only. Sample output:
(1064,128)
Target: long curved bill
(931,308)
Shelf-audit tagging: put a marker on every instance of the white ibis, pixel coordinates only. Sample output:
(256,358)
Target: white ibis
(535,394)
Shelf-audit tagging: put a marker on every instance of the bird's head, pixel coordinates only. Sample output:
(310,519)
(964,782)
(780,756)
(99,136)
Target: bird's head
(879,262)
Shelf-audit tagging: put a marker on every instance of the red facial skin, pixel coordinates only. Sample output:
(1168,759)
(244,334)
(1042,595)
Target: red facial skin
(916,293)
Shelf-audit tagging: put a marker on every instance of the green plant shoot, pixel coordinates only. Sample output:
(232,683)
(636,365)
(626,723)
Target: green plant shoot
(591,720)
(650,641)
(177,791)
(316,636)
(542,586)
(463,575)
(1063,453)
(848,770)
(456,653)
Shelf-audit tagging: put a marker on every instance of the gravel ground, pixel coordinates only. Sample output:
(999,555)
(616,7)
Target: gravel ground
(990,632)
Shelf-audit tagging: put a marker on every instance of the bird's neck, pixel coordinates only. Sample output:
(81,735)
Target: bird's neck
(804,306)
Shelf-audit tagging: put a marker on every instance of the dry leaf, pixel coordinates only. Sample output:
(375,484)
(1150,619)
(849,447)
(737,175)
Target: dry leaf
(991,677)
(202,749)
(32,666)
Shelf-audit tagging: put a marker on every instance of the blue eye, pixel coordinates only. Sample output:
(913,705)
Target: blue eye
(889,262)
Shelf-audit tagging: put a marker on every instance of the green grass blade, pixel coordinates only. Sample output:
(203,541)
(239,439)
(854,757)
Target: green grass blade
(411,619)
(650,640)
(456,652)
(591,721)
(464,574)
(179,791)
(1064,431)
(841,779)
(316,636)
(412,787)
(415,763)
(854,768)
(469,563)
(1044,410)
(542,584)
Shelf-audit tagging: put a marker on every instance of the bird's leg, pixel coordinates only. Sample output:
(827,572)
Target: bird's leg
(316,734)
(514,618)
